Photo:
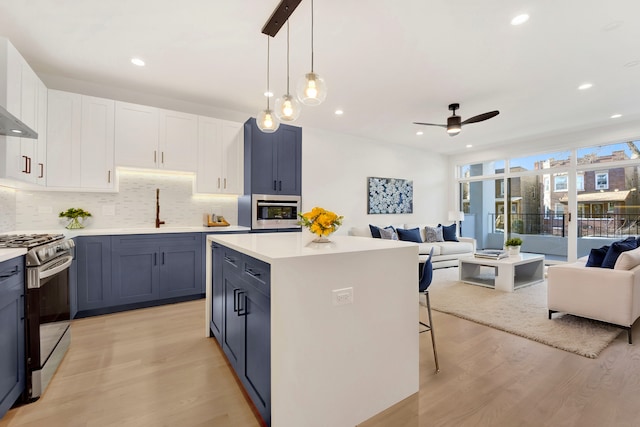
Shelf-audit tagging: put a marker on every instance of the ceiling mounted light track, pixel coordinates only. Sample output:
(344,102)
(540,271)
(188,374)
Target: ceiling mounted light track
(279,16)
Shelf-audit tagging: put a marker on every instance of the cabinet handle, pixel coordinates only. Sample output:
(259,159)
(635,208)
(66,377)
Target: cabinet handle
(280,185)
(250,272)
(225,183)
(155,258)
(29,163)
(155,156)
(274,185)
(41,170)
(235,300)
(26,162)
(242,308)
(218,182)
(5,274)
(230,260)
(162,157)
(108,177)
(162,258)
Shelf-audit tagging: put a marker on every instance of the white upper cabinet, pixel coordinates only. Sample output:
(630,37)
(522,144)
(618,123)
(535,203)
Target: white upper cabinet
(97,148)
(80,145)
(41,144)
(63,139)
(20,90)
(220,149)
(150,138)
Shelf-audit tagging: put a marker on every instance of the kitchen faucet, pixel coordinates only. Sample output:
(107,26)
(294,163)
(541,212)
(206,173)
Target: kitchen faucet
(158,222)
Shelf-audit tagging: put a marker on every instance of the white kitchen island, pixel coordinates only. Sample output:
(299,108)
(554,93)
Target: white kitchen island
(333,365)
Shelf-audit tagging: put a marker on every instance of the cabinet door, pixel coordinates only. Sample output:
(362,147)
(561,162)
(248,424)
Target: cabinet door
(181,266)
(96,165)
(289,159)
(263,163)
(209,174)
(231,155)
(178,141)
(12,358)
(257,359)
(63,139)
(93,257)
(136,135)
(29,97)
(217,292)
(41,144)
(135,270)
(234,326)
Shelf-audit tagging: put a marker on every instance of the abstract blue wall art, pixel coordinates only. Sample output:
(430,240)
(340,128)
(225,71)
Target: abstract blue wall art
(390,196)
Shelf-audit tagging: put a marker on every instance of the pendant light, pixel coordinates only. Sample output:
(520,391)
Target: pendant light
(267,120)
(311,88)
(287,108)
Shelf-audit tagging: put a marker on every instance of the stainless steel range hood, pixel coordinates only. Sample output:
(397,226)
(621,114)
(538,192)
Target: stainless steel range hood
(11,126)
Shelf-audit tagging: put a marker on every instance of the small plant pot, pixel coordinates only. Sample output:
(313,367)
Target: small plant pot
(513,250)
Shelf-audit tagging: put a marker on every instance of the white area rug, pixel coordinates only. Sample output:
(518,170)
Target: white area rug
(523,312)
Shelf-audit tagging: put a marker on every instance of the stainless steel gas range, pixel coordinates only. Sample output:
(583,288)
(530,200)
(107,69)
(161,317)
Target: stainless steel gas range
(47,307)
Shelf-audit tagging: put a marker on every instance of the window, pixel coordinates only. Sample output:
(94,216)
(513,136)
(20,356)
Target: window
(560,182)
(540,161)
(546,183)
(580,182)
(602,180)
(559,210)
(501,190)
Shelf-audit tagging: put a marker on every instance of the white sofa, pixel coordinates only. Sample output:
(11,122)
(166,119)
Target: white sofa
(608,295)
(445,254)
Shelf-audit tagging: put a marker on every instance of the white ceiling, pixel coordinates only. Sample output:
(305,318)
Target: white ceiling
(387,63)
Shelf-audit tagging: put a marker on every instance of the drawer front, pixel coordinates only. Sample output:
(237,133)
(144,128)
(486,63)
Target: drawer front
(12,272)
(231,259)
(257,273)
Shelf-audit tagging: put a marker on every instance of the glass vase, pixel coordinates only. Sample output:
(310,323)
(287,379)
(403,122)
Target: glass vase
(74,224)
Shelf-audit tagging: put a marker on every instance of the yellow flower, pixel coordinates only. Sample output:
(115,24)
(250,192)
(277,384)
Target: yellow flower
(320,221)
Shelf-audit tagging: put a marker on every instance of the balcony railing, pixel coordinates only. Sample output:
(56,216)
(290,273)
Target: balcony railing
(604,225)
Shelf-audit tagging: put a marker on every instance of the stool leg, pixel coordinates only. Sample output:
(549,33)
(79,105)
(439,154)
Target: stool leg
(433,338)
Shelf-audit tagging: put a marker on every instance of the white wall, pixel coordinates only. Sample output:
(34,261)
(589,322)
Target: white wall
(335,168)
(7,209)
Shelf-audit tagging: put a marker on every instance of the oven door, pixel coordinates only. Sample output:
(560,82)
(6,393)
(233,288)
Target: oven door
(48,320)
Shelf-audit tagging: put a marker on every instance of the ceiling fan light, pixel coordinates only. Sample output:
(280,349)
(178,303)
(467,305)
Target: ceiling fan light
(453,125)
(267,121)
(453,130)
(287,108)
(311,89)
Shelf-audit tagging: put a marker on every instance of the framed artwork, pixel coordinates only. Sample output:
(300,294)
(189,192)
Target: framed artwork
(389,196)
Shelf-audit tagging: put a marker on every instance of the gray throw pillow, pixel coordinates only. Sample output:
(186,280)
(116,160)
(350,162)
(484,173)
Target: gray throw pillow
(433,234)
(388,234)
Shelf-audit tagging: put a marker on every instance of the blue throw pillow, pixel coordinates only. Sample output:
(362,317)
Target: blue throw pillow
(375,231)
(449,233)
(616,249)
(412,235)
(596,256)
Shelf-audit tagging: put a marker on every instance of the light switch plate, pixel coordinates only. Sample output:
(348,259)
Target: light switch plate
(342,296)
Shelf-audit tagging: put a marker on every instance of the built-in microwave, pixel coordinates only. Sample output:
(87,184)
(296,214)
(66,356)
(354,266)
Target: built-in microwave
(270,211)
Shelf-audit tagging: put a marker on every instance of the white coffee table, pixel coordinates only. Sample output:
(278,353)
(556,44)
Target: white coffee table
(508,274)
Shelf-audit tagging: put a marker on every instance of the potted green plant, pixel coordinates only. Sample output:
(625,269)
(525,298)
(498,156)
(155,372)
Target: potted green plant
(513,245)
(74,214)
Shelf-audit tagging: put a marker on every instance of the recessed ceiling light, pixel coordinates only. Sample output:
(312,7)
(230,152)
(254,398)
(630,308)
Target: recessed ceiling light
(520,19)
(268,94)
(339,112)
(616,116)
(585,86)
(469,145)
(137,61)
(419,133)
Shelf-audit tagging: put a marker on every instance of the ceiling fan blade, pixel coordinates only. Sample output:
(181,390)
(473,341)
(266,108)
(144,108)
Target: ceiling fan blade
(481,117)
(429,124)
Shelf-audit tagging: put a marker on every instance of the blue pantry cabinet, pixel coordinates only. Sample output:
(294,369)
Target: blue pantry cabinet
(273,161)
(241,320)
(12,356)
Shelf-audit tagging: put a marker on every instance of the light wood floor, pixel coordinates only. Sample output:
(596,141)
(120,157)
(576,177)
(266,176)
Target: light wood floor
(153,367)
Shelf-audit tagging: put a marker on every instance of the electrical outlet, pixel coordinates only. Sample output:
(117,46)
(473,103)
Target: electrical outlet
(342,296)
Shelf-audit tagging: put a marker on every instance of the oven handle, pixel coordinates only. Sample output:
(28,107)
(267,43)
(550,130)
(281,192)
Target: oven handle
(278,203)
(44,273)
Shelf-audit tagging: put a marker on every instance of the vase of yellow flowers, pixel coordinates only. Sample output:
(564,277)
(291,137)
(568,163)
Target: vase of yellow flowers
(320,222)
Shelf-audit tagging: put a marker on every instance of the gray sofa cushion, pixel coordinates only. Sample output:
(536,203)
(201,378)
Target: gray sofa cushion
(424,248)
(450,248)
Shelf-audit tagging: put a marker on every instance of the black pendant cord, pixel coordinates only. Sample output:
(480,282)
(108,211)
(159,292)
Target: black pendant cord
(268,94)
(287,57)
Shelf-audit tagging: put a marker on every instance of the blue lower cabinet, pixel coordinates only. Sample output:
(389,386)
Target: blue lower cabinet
(93,281)
(243,286)
(136,272)
(12,351)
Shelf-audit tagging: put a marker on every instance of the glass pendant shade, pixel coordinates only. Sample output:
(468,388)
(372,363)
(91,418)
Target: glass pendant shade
(287,108)
(311,89)
(267,121)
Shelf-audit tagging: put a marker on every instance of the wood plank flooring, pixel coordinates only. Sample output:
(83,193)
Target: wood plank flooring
(153,367)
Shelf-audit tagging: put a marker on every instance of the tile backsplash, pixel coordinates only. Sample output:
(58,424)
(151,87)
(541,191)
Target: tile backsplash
(132,207)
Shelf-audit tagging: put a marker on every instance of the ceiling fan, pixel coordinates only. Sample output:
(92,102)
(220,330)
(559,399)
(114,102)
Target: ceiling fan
(455,123)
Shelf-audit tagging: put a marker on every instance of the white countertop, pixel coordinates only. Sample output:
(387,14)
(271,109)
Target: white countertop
(141,230)
(10,253)
(271,246)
